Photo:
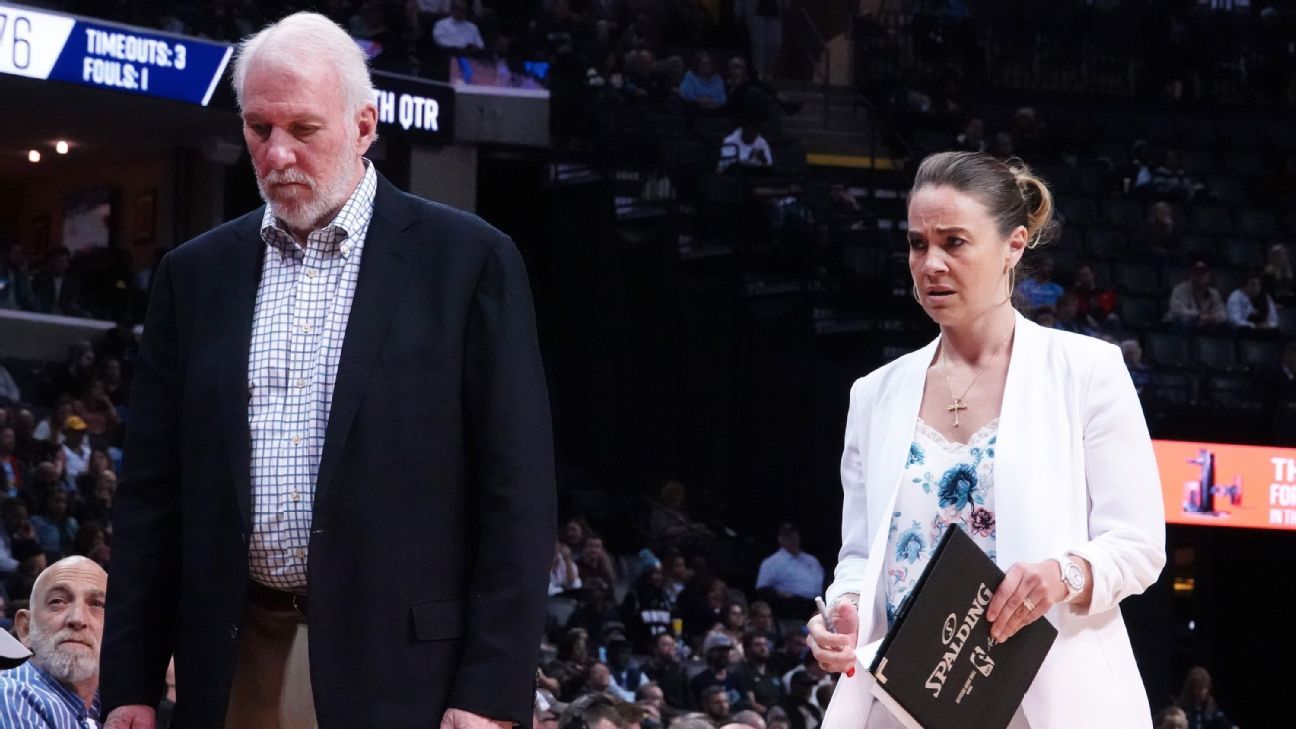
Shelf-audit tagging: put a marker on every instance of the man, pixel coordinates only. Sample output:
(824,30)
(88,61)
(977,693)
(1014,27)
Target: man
(665,670)
(457,32)
(799,705)
(761,620)
(1194,303)
(53,292)
(75,449)
(790,579)
(14,470)
(627,677)
(59,687)
(762,686)
(15,279)
(717,649)
(363,537)
(715,704)
(792,653)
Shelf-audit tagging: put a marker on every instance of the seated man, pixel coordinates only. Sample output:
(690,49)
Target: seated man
(59,687)
(790,579)
(457,32)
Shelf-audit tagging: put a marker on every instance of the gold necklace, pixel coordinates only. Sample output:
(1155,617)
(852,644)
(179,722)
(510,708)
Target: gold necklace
(957,403)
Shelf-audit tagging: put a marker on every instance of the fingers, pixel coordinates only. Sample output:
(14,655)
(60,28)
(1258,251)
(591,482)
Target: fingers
(835,652)
(1022,605)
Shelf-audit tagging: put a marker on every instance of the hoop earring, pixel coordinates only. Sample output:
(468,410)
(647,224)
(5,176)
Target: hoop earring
(1012,283)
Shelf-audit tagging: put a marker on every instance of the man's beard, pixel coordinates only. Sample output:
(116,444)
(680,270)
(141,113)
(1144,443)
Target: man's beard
(68,666)
(304,209)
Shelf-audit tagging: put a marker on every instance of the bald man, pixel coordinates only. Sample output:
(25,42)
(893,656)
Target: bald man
(59,687)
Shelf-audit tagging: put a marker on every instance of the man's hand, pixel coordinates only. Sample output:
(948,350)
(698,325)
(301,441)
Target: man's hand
(454,719)
(134,716)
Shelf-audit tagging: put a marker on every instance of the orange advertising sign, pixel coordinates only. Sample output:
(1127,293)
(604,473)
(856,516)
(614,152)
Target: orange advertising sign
(1216,484)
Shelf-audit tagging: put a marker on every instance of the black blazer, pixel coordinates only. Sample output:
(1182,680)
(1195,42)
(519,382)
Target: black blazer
(434,514)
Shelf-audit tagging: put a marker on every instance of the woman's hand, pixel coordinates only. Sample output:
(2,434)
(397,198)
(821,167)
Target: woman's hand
(835,651)
(1026,593)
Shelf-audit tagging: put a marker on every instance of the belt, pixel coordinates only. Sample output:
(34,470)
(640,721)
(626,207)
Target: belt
(280,601)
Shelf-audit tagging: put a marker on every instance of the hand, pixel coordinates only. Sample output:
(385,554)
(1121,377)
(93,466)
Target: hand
(1040,582)
(564,551)
(835,651)
(134,716)
(460,719)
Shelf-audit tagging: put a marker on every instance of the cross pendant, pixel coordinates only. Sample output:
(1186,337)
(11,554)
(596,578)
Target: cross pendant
(955,408)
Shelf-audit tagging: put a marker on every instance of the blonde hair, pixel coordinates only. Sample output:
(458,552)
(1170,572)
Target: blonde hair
(1011,192)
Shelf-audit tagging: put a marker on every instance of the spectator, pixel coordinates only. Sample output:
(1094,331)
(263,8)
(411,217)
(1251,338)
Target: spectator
(73,376)
(1280,283)
(748,718)
(1249,307)
(570,667)
(98,412)
(1171,717)
(798,705)
(9,391)
(1194,303)
(96,505)
(564,575)
(733,624)
(595,567)
(599,681)
(646,610)
(652,700)
(665,670)
(717,650)
(763,687)
(113,381)
(31,563)
(761,621)
(972,138)
(75,449)
(1039,289)
(627,677)
(50,429)
(15,472)
(703,87)
(669,525)
(715,703)
(457,32)
(791,654)
(54,291)
(573,534)
(1159,237)
(1138,173)
(777,718)
(748,96)
(1198,702)
(596,613)
(746,147)
(1093,303)
(63,627)
(1045,316)
(1001,147)
(595,711)
(1139,371)
(1069,319)
(701,605)
(764,21)
(676,577)
(56,529)
(790,579)
(99,462)
(1171,181)
(15,279)
(91,542)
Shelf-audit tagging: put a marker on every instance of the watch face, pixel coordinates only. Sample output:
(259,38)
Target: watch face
(1074,576)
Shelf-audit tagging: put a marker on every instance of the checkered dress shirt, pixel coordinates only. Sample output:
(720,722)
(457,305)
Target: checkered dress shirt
(302,306)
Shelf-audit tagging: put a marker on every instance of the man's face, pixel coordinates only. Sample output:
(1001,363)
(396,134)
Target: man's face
(717,706)
(666,647)
(653,696)
(794,645)
(600,678)
(762,620)
(64,626)
(106,487)
(1253,287)
(8,441)
(791,541)
(305,143)
(760,648)
(56,504)
(593,551)
(73,438)
(718,658)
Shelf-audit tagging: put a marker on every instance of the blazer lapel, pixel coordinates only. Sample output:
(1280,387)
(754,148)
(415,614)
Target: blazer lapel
(240,288)
(1013,465)
(384,267)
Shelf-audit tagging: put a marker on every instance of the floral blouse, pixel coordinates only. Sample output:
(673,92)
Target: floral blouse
(943,483)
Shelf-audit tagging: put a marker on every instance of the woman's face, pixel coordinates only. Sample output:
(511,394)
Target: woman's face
(736,617)
(957,257)
(573,533)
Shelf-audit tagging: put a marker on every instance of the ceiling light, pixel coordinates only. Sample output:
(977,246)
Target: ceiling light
(33,156)
(61,147)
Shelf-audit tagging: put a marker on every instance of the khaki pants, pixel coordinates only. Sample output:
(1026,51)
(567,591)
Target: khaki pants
(271,688)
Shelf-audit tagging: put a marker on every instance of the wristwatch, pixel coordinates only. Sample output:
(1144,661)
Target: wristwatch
(1072,576)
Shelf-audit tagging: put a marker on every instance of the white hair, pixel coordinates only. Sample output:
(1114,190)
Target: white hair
(302,39)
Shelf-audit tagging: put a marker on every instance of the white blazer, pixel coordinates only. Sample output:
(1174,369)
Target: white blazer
(1074,473)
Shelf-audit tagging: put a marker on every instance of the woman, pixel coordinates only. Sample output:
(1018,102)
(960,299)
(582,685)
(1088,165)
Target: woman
(1198,702)
(646,610)
(1279,280)
(1031,440)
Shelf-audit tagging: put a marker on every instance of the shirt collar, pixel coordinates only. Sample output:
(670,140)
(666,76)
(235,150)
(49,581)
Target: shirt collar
(343,231)
(68,696)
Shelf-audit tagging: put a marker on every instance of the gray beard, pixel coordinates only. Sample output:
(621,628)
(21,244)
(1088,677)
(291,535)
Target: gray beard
(66,667)
(308,213)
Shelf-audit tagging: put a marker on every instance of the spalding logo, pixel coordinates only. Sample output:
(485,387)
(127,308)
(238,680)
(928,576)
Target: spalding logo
(947,631)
